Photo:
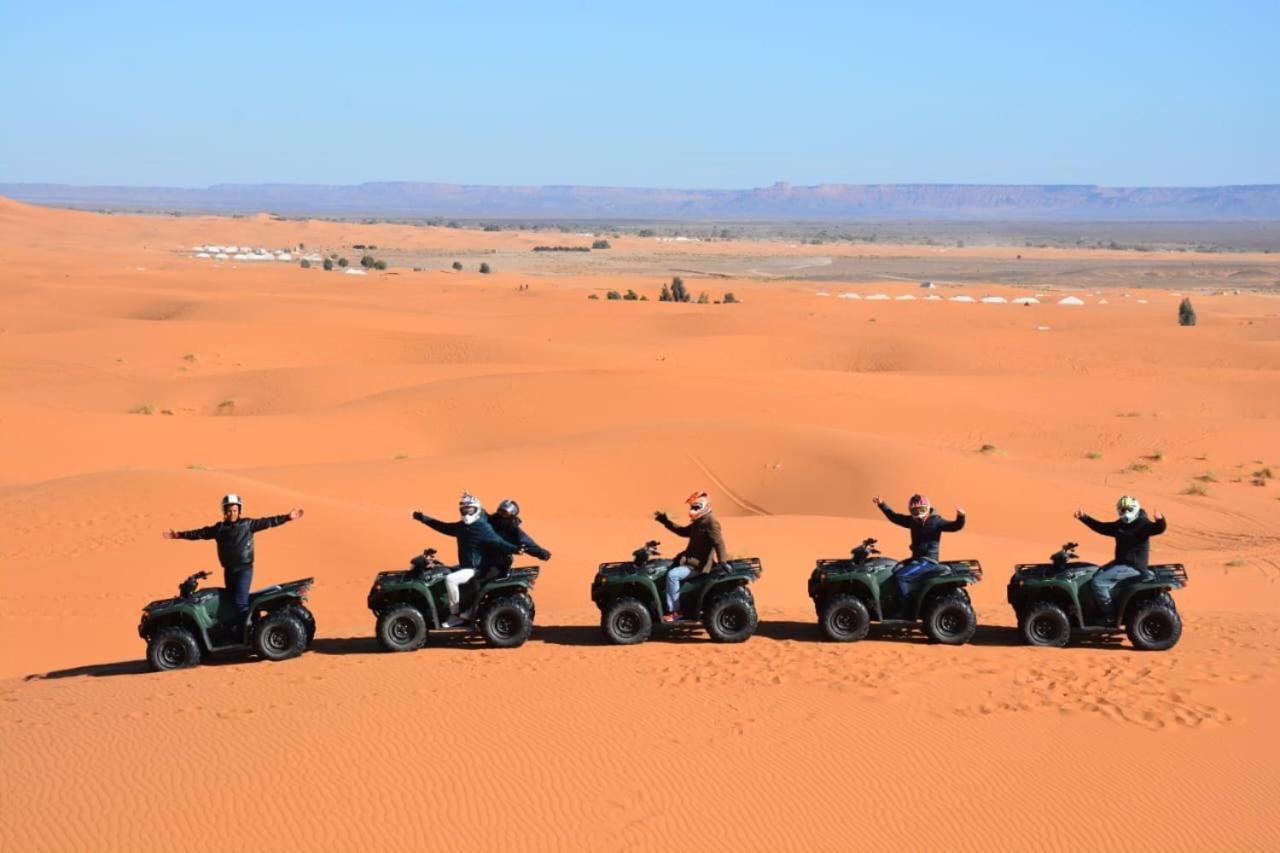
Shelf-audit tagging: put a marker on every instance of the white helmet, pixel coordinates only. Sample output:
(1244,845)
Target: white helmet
(469,508)
(229,500)
(1128,508)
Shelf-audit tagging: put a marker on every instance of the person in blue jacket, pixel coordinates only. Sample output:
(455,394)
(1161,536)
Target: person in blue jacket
(479,546)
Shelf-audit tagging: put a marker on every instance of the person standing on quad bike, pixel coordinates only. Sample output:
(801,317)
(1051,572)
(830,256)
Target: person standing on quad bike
(926,528)
(705,540)
(478,546)
(1132,531)
(234,536)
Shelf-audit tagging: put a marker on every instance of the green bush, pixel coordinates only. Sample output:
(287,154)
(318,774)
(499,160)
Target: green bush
(665,295)
(631,295)
(593,296)
(342,262)
(492,227)
(1186,314)
(306,264)
(379,265)
(328,263)
(613,295)
(484,269)
(457,265)
(601,244)
(367,261)
(678,291)
(730,299)
(703,300)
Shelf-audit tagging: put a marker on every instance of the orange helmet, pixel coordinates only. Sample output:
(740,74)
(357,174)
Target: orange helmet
(699,504)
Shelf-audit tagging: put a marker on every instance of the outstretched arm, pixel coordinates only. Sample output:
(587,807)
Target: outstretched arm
(1104,528)
(489,538)
(199,533)
(526,542)
(896,517)
(448,528)
(1159,525)
(666,522)
(270,521)
(953,526)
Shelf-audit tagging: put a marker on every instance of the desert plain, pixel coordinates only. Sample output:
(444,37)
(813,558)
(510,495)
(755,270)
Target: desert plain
(138,383)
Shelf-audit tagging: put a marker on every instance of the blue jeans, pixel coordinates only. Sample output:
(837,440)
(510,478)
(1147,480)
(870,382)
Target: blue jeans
(237,581)
(1104,583)
(909,570)
(674,577)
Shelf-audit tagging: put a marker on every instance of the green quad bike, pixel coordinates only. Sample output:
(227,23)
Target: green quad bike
(1050,607)
(849,594)
(181,631)
(408,604)
(631,597)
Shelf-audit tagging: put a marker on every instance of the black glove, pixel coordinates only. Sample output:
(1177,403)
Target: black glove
(543,554)
(660,516)
(418,516)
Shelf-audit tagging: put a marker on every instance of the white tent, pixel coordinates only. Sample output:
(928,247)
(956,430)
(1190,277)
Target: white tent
(850,296)
(933,297)
(203,255)
(1102,302)
(906,297)
(962,298)
(1026,300)
(1070,300)
(221,256)
(283,256)
(877,297)
(994,300)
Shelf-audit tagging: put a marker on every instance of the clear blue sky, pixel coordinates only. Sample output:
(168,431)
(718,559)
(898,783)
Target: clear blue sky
(689,94)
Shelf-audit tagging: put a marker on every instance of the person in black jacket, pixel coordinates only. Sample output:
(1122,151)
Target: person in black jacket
(507,524)
(1132,531)
(234,536)
(926,528)
(705,548)
(478,546)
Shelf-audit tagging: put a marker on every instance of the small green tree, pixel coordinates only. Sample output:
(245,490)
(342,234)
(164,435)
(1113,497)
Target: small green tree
(730,299)
(484,269)
(306,264)
(665,295)
(457,265)
(367,261)
(593,296)
(379,265)
(703,299)
(601,244)
(613,295)
(342,262)
(678,291)
(1186,314)
(328,264)
(492,227)
(646,232)
(631,295)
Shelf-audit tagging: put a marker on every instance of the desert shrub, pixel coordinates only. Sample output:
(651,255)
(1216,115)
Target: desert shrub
(678,291)
(484,269)
(646,232)
(601,244)
(457,265)
(328,263)
(560,249)
(379,265)
(144,409)
(343,262)
(367,261)
(492,227)
(1186,314)
(1196,489)
(360,246)
(631,295)
(730,299)
(1093,454)
(703,299)
(306,264)
(593,296)
(665,295)
(613,294)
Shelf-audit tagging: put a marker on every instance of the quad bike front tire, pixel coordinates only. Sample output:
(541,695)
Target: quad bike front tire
(308,619)
(626,621)
(506,622)
(173,648)
(950,619)
(279,635)
(731,617)
(1155,626)
(402,628)
(1045,624)
(845,619)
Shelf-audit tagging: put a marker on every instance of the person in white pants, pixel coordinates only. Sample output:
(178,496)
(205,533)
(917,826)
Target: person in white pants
(452,589)
(478,546)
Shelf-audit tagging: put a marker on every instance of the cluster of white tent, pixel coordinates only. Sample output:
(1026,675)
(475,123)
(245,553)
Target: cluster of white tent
(990,300)
(242,253)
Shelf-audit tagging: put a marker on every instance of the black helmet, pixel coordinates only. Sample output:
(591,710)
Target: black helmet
(509,507)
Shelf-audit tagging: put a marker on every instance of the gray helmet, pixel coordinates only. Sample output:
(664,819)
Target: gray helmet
(509,507)
(232,499)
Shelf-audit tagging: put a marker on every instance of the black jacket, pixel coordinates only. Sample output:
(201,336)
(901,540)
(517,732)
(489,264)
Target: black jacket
(235,538)
(705,540)
(478,545)
(925,532)
(1133,539)
(508,527)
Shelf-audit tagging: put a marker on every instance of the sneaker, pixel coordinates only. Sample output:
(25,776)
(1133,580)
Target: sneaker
(454,621)
(671,617)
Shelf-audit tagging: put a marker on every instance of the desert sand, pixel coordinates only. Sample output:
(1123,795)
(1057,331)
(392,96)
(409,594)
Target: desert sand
(364,398)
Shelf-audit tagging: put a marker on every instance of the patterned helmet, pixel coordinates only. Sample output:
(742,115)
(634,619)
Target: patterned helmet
(699,504)
(919,506)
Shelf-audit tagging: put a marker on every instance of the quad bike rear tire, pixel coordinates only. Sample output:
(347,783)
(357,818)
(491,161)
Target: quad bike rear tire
(949,619)
(1155,626)
(279,635)
(1045,624)
(731,617)
(506,622)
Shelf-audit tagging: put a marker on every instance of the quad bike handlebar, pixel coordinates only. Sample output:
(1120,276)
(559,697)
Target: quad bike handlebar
(866,550)
(188,587)
(646,552)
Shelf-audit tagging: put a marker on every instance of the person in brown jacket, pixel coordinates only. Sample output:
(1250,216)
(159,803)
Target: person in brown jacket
(705,542)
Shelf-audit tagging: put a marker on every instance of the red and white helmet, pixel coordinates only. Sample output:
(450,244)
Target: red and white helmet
(699,504)
(919,506)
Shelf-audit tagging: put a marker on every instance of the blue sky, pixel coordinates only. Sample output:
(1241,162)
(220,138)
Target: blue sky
(690,94)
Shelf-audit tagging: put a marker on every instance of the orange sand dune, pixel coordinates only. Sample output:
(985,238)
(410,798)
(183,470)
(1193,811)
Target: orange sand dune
(362,399)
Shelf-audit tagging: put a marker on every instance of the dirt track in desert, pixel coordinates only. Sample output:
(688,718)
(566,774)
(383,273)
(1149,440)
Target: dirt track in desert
(361,399)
